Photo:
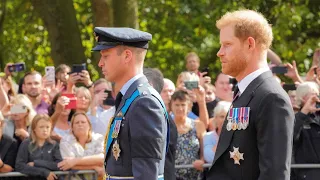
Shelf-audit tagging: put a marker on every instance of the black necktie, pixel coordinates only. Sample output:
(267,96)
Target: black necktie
(236,93)
(118,100)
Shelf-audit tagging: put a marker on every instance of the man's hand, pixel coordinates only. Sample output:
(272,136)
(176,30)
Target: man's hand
(292,71)
(310,76)
(85,78)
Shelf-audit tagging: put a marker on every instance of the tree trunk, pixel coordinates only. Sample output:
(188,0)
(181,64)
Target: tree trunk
(2,17)
(102,13)
(59,17)
(125,13)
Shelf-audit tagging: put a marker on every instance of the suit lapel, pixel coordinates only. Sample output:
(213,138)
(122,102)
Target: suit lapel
(242,101)
(132,88)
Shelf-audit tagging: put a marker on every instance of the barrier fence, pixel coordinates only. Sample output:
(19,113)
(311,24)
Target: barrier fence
(95,175)
(17,174)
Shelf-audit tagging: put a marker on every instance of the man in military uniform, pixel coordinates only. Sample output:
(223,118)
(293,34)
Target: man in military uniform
(256,137)
(137,135)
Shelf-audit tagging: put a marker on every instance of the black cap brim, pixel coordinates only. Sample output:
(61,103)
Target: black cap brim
(101,47)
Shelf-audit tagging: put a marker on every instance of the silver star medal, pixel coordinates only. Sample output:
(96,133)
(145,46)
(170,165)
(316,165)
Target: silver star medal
(236,155)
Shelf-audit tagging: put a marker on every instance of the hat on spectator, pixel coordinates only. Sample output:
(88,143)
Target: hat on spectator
(111,37)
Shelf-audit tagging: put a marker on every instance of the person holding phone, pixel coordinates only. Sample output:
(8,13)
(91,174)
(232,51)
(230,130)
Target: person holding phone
(102,107)
(256,137)
(20,114)
(136,148)
(79,77)
(103,97)
(306,139)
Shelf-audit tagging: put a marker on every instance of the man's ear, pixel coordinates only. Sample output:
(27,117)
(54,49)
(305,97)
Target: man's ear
(128,55)
(251,43)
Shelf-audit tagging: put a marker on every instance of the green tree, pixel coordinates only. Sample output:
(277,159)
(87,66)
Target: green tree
(59,17)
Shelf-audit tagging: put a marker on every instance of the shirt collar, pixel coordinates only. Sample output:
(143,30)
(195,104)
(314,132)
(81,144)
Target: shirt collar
(244,83)
(126,86)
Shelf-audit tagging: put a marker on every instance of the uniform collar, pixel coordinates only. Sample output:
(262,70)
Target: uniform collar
(126,86)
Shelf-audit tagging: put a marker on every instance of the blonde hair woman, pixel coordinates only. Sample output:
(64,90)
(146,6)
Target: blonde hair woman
(82,149)
(18,123)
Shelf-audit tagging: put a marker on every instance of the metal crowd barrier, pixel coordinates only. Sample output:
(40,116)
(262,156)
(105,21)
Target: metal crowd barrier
(17,174)
(95,175)
(296,166)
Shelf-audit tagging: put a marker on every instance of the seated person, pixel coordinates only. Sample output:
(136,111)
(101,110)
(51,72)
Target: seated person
(82,149)
(210,139)
(38,155)
(8,149)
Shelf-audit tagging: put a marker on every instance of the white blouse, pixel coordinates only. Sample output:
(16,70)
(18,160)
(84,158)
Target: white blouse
(70,147)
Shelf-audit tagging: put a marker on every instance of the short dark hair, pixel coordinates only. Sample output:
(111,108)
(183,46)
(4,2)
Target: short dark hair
(31,73)
(180,95)
(155,78)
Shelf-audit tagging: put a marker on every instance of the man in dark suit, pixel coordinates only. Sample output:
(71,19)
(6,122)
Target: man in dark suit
(137,135)
(155,78)
(256,138)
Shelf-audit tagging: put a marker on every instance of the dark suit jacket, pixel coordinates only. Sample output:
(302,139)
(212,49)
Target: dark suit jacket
(142,138)
(267,141)
(8,150)
(169,168)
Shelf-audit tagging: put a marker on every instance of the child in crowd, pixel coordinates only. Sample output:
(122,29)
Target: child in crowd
(38,155)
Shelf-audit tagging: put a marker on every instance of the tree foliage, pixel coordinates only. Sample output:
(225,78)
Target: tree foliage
(178,27)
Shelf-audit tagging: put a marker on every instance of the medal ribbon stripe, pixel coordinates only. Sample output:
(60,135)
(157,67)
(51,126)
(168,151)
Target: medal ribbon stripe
(123,110)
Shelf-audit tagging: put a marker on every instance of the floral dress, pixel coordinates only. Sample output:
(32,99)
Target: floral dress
(187,152)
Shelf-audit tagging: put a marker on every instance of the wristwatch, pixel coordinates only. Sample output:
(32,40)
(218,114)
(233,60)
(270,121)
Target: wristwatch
(89,86)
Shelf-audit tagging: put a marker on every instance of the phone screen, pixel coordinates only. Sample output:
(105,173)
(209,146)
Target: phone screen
(18,108)
(50,74)
(77,68)
(73,101)
(279,70)
(191,84)
(109,100)
(289,87)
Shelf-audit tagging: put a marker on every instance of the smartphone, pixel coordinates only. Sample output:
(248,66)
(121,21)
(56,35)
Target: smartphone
(18,108)
(206,69)
(77,68)
(17,67)
(109,100)
(72,101)
(279,69)
(191,84)
(50,74)
(289,87)
(317,104)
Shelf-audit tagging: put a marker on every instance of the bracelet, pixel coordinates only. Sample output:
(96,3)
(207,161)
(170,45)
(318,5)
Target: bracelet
(2,165)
